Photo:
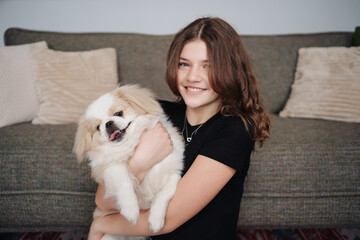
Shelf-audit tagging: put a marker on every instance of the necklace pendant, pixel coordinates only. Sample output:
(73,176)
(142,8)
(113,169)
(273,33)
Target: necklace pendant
(188,139)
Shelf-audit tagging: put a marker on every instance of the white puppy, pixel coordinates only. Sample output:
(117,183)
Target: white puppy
(108,134)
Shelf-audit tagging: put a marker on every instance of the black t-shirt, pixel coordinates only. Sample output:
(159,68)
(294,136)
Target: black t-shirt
(226,140)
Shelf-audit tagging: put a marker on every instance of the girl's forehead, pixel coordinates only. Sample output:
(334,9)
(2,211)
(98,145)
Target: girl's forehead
(195,49)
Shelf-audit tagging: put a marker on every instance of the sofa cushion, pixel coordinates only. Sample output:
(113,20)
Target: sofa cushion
(327,85)
(18,100)
(306,175)
(42,185)
(67,82)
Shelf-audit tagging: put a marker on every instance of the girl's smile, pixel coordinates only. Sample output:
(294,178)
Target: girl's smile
(194,90)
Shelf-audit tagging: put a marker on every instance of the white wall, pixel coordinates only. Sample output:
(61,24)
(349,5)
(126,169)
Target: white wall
(167,17)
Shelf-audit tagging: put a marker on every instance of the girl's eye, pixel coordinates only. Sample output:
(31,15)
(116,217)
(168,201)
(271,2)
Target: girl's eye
(182,64)
(119,114)
(98,128)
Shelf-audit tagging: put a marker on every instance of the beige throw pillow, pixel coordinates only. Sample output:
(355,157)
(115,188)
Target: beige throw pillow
(327,85)
(67,82)
(18,101)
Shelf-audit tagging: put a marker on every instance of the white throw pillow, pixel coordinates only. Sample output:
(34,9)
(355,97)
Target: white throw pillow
(18,101)
(67,82)
(327,85)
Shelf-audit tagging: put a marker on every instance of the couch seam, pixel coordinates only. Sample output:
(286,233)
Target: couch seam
(31,192)
(301,195)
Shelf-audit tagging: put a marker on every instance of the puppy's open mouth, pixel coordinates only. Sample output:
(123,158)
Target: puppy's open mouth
(116,134)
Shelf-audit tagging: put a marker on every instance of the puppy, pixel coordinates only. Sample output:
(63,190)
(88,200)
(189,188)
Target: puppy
(107,135)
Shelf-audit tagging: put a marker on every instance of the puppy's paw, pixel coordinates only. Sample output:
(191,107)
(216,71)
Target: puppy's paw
(131,214)
(156,221)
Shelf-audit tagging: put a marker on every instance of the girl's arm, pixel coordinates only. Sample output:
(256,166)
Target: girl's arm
(202,182)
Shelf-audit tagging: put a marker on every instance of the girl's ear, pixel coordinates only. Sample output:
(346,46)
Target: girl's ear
(141,99)
(82,140)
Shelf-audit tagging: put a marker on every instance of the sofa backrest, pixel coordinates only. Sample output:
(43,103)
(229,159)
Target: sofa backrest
(141,57)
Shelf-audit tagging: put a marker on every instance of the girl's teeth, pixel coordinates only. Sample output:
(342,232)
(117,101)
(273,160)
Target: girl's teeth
(194,89)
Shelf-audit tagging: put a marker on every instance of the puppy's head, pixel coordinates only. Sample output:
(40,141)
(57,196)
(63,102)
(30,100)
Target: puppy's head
(107,119)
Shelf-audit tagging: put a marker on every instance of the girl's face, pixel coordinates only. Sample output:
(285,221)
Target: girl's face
(193,78)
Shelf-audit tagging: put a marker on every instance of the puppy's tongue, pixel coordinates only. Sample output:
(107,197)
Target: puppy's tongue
(113,135)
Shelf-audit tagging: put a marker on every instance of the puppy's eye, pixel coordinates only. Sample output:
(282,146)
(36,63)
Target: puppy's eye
(119,114)
(98,127)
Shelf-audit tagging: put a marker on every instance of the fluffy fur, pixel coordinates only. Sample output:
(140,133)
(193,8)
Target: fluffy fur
(108,134)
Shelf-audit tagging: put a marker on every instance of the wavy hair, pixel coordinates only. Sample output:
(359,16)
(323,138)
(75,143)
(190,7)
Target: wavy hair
(231,74)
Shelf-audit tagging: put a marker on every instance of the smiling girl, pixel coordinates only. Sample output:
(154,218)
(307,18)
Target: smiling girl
(220,115)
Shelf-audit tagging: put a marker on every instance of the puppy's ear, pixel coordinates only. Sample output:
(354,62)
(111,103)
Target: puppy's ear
(82,140)
(141,99)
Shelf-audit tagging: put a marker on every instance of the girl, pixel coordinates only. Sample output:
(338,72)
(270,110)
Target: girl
(220,115)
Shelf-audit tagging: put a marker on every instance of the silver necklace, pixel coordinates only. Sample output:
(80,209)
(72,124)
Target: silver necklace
(188,139)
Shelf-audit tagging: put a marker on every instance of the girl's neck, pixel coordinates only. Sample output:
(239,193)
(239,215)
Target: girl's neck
(195,116)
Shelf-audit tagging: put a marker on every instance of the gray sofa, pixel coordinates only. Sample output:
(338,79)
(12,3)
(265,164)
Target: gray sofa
(306,175)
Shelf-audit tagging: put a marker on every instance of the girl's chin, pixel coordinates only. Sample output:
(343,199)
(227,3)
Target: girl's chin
(196,103)
(193,103)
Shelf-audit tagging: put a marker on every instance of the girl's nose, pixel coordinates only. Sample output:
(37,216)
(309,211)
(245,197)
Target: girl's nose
(194,74)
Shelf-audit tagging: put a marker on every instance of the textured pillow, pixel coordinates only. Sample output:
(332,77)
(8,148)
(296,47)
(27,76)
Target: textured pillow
(327,85)
(18,101)
(66,82)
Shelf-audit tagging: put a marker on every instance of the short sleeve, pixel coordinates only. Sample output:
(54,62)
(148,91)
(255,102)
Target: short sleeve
(175,112)
(229,143)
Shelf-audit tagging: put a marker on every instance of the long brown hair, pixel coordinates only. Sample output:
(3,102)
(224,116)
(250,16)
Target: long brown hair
(231,74)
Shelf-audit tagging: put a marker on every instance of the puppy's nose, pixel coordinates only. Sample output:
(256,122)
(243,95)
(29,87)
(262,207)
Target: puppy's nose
(109,124)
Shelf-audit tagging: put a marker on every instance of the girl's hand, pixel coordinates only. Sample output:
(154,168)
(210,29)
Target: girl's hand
(153,147)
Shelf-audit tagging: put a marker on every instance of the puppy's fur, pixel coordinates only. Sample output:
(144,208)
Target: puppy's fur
(108,134)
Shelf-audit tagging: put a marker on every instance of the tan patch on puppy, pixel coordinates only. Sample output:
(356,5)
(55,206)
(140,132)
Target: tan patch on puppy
(87,128)
(138,99)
